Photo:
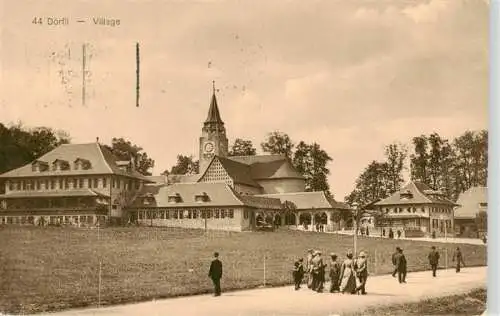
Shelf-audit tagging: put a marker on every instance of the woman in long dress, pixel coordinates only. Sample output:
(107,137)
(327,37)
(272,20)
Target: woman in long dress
(347,278)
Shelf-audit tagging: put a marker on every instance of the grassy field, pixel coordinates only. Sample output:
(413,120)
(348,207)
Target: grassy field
(472,303)
(45,269)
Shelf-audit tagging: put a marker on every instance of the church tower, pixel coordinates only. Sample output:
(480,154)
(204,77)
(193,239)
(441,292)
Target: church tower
(213,140)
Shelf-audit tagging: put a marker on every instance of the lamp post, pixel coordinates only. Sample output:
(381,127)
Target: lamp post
(355,226)
(443,221)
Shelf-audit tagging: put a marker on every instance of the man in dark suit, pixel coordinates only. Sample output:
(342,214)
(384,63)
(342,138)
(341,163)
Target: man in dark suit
(215,273)
(433,260)
(401,266)
(394,261)
(460,259)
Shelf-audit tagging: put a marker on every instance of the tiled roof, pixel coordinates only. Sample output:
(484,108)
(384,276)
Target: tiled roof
(260,202)
(308,200)
(219,195)
(419,193)
(240,173)
(469,202)
(101,159)
(268,167)
(65,193)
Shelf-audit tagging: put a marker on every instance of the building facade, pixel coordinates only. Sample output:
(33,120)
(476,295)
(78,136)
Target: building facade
(472,202)
(85,185)
(74,184)
(417,210)
(236,192)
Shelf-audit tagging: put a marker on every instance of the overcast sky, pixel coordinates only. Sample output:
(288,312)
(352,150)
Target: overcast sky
(351,75)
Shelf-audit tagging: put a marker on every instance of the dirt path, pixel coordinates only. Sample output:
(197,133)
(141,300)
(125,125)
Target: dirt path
(285,301)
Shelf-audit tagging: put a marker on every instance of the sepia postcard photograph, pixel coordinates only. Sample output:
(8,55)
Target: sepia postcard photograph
(244,158)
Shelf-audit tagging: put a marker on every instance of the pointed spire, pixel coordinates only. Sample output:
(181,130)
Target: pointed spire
(213,111)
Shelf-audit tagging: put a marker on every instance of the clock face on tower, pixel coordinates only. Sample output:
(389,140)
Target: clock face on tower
(209,147)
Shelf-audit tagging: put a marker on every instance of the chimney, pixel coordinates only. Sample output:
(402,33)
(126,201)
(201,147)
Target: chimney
(97,139)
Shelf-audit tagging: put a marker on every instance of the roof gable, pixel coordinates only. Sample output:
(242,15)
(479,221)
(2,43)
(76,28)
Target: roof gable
(101,161)
(237,172)
(268,167)
(471,202)
(415,193)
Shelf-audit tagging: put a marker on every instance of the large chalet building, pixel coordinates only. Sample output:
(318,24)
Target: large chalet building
(417,210)
(74,184)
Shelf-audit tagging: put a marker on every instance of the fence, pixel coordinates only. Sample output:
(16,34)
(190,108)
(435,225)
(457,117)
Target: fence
(99,266)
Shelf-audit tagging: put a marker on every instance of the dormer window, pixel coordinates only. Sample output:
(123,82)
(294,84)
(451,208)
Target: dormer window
(174,198)
(203,197)
(81,164)
(406,195)
(60,164)
(39,166)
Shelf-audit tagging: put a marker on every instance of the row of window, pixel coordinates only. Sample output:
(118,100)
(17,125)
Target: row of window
(61,165)
(70,183)
(190,214)
(414,210)
(52,220)
(436,223)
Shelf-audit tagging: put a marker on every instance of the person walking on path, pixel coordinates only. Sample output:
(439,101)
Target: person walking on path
(401,266)
(317,268)
(433,260)
(215,273)
(298,273)
(361,272)
(309,268)
(334,273)
(394,262)
(459,257)
(347,278)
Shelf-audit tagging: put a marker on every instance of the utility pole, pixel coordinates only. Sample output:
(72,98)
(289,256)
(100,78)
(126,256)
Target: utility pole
(355,226)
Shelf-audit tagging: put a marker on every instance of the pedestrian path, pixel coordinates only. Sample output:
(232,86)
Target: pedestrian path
(448,240)
(284,301)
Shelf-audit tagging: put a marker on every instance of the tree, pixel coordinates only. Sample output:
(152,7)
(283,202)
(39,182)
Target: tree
(311,161)
(371,185)
(278,143)
(419,160)
(185,165)
(396,155)
(125,150)
(242,147)
(20,145)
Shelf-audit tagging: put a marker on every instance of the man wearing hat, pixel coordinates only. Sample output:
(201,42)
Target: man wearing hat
(317,268)
(215,273)
(361,272)
(298,273)
(394,261)
(401,266)
(310,255)
(433,260)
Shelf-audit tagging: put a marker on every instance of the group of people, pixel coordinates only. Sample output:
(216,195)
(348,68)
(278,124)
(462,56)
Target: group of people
(390,233)
(347,277)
